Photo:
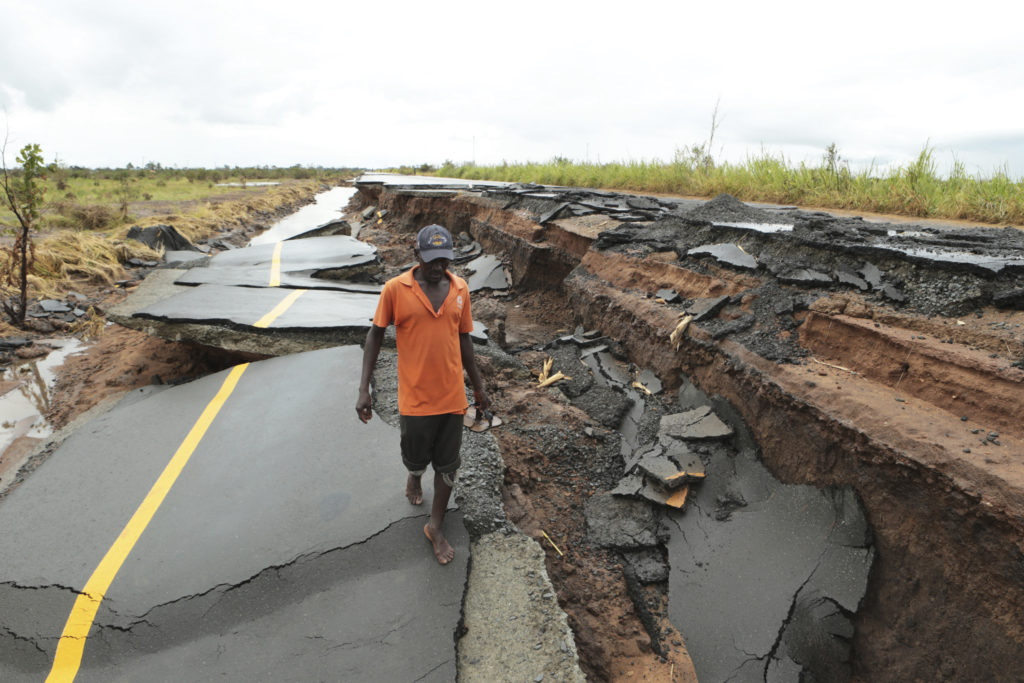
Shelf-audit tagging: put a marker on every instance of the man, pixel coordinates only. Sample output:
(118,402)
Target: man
(430,310)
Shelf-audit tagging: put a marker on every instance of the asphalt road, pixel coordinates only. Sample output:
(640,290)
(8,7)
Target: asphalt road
(284,550)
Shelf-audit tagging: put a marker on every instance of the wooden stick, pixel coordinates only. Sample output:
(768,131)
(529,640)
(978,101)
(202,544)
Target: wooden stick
(560,554)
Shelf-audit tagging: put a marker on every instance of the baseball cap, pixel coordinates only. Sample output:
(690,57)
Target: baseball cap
(434,242)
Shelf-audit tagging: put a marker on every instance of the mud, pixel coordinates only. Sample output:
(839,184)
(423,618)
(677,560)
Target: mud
(877,358)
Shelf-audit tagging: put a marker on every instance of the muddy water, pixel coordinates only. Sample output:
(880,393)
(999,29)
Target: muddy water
(327,206)
(26,396)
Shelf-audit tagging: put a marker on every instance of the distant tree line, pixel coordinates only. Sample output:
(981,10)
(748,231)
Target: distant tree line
(218,174)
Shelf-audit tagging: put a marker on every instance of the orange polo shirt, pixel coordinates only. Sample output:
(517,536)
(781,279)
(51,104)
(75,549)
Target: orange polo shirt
(430,378)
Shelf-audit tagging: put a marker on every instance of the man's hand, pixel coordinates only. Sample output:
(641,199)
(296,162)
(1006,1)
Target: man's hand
(364,406)
(483,401)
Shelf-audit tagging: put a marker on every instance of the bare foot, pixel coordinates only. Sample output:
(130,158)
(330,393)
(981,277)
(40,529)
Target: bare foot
(443,551)
(414,491)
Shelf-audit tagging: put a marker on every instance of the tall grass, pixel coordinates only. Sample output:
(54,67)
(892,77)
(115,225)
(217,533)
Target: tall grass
(914,190)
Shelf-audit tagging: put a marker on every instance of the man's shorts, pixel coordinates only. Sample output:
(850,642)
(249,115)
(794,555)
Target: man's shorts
(432,440)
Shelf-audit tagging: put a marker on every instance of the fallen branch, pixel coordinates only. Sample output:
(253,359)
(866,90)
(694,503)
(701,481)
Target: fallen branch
(677,334)
(545,369)
(637,385)
(552,379)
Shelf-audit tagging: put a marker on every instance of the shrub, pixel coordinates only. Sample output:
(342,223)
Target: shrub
(85,216)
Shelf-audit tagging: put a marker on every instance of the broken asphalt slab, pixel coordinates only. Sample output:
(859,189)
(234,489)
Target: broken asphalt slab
(245,306)
(313,262)
(285,480)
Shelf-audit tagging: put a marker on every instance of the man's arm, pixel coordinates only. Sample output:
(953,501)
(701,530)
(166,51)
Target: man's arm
(469,363)
(374,339)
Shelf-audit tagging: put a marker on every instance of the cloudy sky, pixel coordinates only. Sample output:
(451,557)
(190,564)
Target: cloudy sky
(375,84)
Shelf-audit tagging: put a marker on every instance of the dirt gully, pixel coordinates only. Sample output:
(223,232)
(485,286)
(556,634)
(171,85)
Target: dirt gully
(878,363)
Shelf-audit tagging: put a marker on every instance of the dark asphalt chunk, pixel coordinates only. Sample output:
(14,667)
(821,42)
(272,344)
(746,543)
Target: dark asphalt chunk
(695,425)
(617,522)
(872,274)
(805,276)
(702,309)
(727,253)
(848,278)
(725,208)
(161,237)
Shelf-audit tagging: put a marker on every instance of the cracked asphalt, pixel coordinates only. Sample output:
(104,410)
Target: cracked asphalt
(285,550)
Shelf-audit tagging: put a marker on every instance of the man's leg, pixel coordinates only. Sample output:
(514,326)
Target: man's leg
(414,488)
(443,550)
(446,460)
(416,437)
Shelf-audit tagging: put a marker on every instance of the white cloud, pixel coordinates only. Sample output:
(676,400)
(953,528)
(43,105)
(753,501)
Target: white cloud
(201,83)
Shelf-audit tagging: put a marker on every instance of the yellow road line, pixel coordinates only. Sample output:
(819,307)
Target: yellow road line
(275,266)
(276,312)
(68,658)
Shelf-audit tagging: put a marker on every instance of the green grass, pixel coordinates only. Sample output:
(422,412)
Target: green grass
(914,190)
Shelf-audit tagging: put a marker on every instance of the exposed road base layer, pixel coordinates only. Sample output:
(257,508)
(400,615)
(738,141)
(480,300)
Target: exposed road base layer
(881,357)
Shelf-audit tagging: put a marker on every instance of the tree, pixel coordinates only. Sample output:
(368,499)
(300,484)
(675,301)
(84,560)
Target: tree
(125,191)
(23,195)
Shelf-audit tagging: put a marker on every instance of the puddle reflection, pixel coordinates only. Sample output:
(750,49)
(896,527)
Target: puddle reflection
(26,398)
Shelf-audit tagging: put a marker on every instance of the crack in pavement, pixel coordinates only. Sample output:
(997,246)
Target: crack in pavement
(225,588)
(424,676)
(19,586)
(6,632)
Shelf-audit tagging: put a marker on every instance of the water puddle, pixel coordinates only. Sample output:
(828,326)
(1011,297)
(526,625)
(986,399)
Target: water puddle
(759,227)
(418,180)
(26,398)
(487,272)
(987,261)
(261,183)
(905,233)
(326,207)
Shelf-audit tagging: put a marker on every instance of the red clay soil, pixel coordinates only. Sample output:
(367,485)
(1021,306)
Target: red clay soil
(545,493)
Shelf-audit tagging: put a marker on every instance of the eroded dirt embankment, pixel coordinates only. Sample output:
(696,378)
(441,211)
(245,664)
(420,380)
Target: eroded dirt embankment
(850,364)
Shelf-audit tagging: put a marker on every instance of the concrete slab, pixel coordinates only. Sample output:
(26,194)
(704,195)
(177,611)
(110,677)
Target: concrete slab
(509,592)
(286,548)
